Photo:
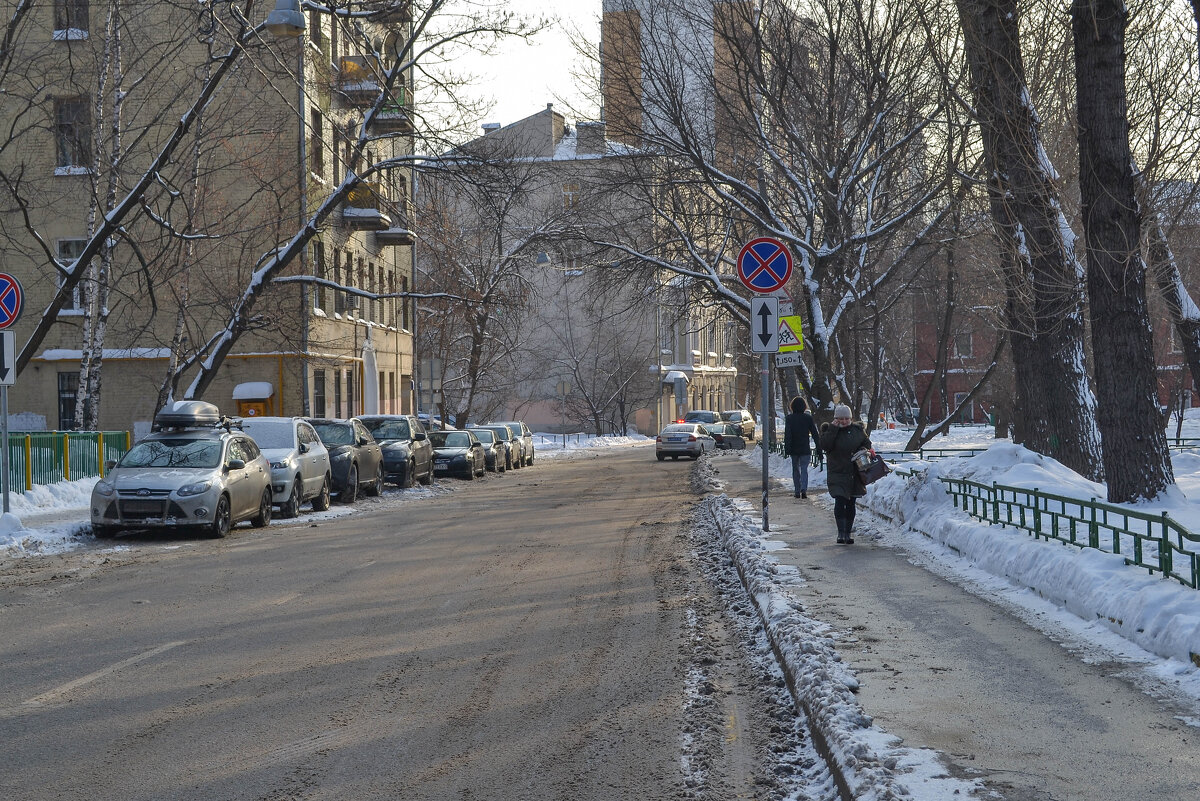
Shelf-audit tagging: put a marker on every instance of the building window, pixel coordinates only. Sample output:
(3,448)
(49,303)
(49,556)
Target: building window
(68,385)
(963,346)
(72,134)
(570,195)
(966,414)
(350,405)
(337,393)
(70,19)
(316,144)
(314,27)
(392,392)
(69,251)
(318,253)
(371,315)
(318,393)
(339,300)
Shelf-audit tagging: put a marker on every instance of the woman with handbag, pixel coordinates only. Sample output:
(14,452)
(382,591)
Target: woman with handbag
(840,440)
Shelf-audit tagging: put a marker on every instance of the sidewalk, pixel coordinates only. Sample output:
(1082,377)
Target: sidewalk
(944,669)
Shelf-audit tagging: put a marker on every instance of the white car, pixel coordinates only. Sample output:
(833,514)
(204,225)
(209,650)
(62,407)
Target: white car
(299,462)
(683,439)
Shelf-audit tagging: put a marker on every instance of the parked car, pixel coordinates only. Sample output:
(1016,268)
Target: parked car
(195,471)
(683,439)
(299,462)
(743,420)
(513,452)
(522,434)
(407,454)
(726,436)
(702,416)
(355,458)
(457,453)
(495,452)
(435,423)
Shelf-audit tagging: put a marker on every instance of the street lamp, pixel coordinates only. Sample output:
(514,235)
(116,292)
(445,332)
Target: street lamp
(286,21)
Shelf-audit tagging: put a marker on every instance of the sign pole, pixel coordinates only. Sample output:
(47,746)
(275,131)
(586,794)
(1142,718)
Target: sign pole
(4,442)
(769,425)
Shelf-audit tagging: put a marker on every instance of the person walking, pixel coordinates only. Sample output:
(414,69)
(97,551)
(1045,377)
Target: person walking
(798,426)
(840,440)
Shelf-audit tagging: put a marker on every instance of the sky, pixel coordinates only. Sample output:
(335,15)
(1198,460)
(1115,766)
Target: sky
(522,77)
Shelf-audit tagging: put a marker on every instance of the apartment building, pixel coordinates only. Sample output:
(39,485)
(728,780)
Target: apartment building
(96,94)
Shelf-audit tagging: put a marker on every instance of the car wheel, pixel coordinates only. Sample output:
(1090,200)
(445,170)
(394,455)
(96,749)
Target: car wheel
(531,455)
(321,502)
(291,507)
(406,480)
(375,488)
(470,474)
(350,493)
(104,532)
(662,457)
(427,479)
(263,518)
(222,519)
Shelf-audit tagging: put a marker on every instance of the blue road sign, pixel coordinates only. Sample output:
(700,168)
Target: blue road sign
(12,298)
(764,265)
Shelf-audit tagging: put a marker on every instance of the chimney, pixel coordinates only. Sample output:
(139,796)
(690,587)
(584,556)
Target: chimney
(591,139)
(488,127)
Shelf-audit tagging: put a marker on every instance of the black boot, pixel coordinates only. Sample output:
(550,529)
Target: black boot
(849,523)
(841,525)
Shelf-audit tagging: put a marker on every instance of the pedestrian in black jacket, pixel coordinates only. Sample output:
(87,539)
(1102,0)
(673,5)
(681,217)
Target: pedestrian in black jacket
(840,440)
(797,427)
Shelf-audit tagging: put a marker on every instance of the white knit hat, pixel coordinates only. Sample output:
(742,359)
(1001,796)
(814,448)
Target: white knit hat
(841,410)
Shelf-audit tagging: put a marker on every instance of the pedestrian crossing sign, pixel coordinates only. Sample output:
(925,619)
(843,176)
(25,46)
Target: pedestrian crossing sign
(791,334)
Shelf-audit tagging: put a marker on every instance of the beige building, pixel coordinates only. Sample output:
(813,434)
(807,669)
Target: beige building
(99,91)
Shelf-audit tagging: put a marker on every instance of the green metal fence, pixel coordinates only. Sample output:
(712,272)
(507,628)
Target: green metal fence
(47,457)
(1154,542)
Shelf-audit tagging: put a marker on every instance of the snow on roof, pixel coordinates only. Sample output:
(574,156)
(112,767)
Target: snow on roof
(253,390)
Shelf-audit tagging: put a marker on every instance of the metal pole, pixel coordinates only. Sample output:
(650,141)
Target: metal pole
(4,443)
(768,424)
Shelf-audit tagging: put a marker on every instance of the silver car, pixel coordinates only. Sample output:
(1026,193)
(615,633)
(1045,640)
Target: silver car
(521,434)
(683,439)
(196,471)
(299,462)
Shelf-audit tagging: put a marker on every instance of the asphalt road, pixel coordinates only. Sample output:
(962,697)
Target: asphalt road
(944,669)
(525,637)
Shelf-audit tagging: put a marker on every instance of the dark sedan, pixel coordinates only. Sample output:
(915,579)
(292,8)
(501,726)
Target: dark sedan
(355,458)
(495,452)
(407,454)
(513,455)
(457,453)
(727,436)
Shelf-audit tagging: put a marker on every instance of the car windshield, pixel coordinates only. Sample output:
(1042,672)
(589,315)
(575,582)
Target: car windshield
(335,433)
(732,415)
(174,453)
(502,433)
(486,436)
(450,439)
(715,428)
(388,429)
(270,434)
(708,416)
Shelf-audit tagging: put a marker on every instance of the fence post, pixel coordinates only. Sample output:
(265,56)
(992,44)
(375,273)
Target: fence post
(100,453)
(28,462)
(1093,529)
(66,457)
(1037,513)
(995,503)
(1165,557)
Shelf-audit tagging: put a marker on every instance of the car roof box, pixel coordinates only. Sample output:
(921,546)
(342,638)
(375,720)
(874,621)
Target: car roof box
(188,414)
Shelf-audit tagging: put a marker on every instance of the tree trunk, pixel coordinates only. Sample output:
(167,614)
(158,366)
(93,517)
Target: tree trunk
(1185,315)
(1136,459)
(1042,273)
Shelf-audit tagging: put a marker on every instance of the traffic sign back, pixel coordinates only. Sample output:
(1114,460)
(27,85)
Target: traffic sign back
(764,264)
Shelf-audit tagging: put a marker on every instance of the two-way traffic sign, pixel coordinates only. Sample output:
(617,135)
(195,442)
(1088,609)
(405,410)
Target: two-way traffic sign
(764,324)
(8,358)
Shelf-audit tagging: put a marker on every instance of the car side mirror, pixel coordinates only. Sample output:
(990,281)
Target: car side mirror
(304,447)
(420,437)
(109,464)
(235,464)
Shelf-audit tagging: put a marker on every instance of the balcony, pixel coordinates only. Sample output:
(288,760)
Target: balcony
(364,209)
(400,231)
(393,116)
(360,79)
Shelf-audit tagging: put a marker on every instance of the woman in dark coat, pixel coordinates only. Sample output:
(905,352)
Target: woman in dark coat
(840,440)
(797,427)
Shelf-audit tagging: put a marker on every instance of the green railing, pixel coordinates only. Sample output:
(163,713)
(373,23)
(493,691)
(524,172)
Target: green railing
(1154,542)
(1183,443)
(926,454)
(48,457)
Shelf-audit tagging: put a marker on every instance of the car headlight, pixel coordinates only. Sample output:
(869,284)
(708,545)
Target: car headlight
(105,488)
(194,489)
(286,464)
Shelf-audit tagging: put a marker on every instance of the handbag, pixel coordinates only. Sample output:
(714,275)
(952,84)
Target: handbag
(871,466)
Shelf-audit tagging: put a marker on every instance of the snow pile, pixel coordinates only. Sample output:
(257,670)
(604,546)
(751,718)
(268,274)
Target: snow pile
(870,763)
(1158,614)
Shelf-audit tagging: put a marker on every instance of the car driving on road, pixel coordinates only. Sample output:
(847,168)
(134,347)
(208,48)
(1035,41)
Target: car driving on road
(195,471)
(300,469)
(682,439)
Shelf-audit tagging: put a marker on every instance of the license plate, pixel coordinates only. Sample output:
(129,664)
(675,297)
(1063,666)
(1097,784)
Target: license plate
(142,507)
(677,439)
